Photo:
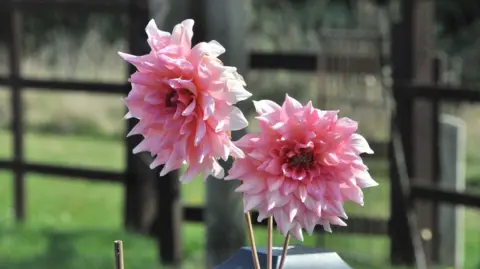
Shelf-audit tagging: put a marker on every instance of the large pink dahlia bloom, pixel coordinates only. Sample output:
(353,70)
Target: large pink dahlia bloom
(301,167)
(184,99)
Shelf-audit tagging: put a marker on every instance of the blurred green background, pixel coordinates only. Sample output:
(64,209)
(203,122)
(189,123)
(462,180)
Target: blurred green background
(72,223)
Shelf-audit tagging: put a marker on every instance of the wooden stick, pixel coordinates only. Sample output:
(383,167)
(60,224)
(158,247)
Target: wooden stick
(251,236)
(284,251)
(118,248)
(270,247)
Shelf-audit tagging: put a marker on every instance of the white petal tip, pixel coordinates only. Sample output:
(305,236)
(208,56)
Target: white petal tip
(123,55)
(370,184)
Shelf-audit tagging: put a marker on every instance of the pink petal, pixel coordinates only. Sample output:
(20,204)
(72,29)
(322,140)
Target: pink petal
(302,192)
(208,105)
(288,187)
(274,183)
(237,120)
(274,167)
(360,144)
(283,223)
(173,163)
(190,108)
(179,84)
(310,222)
(326,226)
(345,126)
(235,151)
(331,159)
(156,38)
(200,133)
(247,141)
(190,174)
(296,232)
(364,180)
(265,106)
(292,210)
(238,170)
(251,202)
(142,63)
(182,34)
(212,49)
(291,106)
(236,92)
(217,170)
(142,147)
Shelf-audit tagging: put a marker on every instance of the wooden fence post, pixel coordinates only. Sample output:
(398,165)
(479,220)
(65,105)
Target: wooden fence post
(146,195)
(14,38)
(419,17)
(139,179)
(401,247)
(224,21)
(168,224)
(451,218)
(153,203)
(421,127)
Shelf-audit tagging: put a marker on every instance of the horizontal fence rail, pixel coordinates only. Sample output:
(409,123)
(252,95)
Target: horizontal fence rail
(440,93)
(58,85)
(314,63)
(55,170)
(444,195)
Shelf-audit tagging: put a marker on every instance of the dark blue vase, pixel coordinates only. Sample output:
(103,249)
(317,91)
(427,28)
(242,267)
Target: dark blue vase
(298,257)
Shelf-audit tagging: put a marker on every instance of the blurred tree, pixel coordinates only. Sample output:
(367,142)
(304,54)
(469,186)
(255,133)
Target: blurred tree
(456,15)
(41,27)
(452,16)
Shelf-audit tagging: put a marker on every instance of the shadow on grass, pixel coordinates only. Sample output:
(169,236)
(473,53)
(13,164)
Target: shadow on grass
(50,249)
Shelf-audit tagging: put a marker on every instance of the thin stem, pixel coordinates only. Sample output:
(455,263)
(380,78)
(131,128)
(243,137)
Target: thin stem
(270,247)
(118,250)
(251,236)
(284,251)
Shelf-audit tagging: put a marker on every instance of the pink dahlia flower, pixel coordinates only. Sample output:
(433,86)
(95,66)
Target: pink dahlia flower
(301,167)
(184,99)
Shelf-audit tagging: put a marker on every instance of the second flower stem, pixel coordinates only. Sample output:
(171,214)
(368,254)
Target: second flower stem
(248,220)
(270,239)
(284,251)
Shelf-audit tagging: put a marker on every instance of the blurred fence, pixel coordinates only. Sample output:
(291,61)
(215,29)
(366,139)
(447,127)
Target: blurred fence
(418,241)
(328,61)
(416,168)
(138,15)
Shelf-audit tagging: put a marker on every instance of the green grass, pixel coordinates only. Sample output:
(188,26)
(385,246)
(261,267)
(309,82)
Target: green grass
(72,223)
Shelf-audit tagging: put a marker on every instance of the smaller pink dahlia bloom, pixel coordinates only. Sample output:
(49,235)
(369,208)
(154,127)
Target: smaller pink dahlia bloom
(184,99)
(301,167)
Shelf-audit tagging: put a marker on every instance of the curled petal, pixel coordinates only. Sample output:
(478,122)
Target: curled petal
(237,120)
(360,144)
(265,106)
(236,92)
(291,106)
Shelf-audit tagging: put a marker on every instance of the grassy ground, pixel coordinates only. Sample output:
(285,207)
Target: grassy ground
(72,223)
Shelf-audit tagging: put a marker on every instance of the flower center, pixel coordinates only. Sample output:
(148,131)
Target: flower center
(171,99)
(301,159)
(174,96)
